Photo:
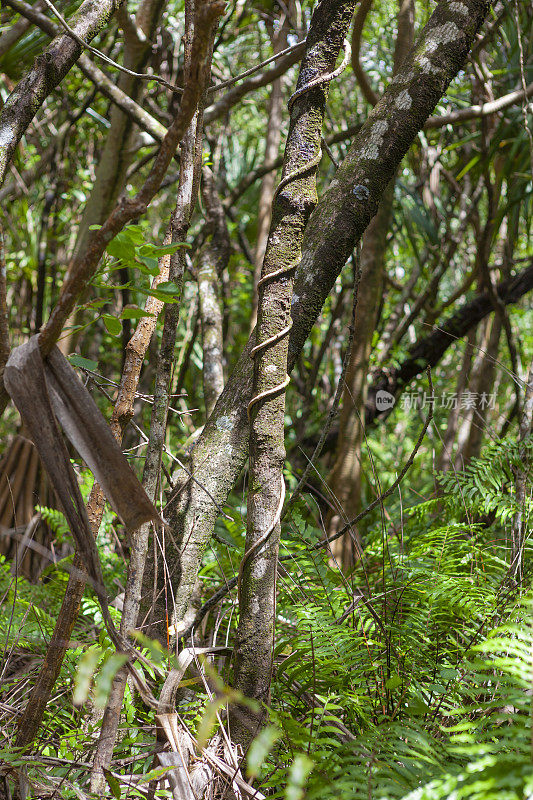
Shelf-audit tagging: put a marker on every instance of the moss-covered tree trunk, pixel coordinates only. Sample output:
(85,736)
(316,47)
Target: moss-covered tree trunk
(294,200)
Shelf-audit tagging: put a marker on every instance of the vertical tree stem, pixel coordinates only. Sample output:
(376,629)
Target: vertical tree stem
(294,200)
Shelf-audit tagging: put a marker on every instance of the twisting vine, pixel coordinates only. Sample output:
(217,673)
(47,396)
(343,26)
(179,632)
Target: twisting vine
(286,270)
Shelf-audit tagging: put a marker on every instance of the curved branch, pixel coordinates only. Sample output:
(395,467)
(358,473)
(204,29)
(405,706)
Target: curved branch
(358,24)
(48,71)
(429,350)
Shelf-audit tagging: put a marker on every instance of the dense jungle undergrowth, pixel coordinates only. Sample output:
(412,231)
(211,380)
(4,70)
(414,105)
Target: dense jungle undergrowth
(266,398)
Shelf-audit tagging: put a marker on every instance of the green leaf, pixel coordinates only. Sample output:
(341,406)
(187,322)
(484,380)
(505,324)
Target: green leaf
(80,361)
(103,682)
(154,647)
(113,784)
(260,748)
(156,252)
(299,772)
(167,292)
(84,675)
(149,265)
(132,312)
(169,288)
(122,246)
(393,682)
(209,720)
(113,325)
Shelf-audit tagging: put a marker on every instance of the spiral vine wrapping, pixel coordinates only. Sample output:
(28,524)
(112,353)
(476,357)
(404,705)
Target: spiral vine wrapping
(286,270)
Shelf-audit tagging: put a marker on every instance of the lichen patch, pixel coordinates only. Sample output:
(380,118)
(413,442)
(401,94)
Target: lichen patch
(459,8)
(442,34)
(373,144)
(404,100)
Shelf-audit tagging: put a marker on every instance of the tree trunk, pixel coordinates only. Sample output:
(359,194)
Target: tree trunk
(294,200)
(345,478)
(212,261)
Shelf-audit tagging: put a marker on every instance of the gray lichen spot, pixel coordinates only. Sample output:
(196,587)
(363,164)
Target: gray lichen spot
(372,146)
(360,192)
(259,568)
(295,299)
(425,64)
(459,8)
(404,100)
(224,423)
(402,77)
(256,608)
(442,34)
(271,368)
(6,136)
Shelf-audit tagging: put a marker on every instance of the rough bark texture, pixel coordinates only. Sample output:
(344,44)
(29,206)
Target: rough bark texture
(292,206)
(48,71)
(334,228)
